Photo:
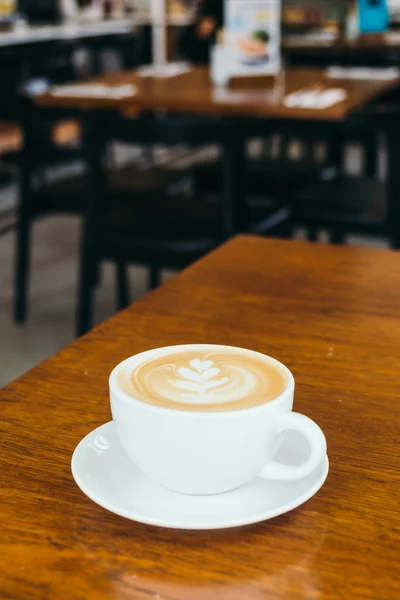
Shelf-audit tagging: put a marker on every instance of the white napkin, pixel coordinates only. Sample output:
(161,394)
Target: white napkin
(315,98)
(376,73)
(164,71)
(94,90)
(306,39)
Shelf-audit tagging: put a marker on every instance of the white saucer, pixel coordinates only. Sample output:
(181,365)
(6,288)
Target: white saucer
(107,476)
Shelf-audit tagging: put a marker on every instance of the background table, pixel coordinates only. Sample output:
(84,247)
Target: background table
(72,31)
(332,315)
(193,93)
(315,49)
(261,100)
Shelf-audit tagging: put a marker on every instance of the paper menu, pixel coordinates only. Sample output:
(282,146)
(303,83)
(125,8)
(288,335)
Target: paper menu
(253,36)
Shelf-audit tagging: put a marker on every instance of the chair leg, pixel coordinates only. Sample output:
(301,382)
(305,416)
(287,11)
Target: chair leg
(287,227)
(85,295)
(312,235)
(23,235)
(393,183)
(123,299)
(154,280)
(371,151)
(234,185)
(96,276)
(93,150)
(23,246)
(335,154)
(338,236)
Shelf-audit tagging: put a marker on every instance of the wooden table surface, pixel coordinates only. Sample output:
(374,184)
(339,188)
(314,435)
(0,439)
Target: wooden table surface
(332,315)
(316,41)
(34,34)
(192,92)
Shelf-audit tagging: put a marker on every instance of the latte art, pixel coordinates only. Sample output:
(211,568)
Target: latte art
(200,379)
(205,380)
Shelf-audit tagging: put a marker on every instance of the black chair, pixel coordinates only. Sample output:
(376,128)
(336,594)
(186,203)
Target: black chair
(40,11)
(275,173)
(265,177)
(159,232)
(20,67)
(66,197)
(342,206)
(140,223)
(354,204)
(362,203)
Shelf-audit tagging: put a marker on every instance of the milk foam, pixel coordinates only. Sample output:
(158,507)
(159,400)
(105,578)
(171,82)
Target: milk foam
(213,380)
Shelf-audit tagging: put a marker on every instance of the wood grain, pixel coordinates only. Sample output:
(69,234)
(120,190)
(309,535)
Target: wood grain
(332,315)
(193,92)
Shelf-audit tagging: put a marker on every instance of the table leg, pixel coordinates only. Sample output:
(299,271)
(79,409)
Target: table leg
(234,183)
(122,274)
(97,61)
(93,151)
(393,183)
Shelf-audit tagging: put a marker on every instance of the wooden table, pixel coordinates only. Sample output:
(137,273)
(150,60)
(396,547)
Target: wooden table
(319,48)
(248,107)
(261,100)
(390,39)
(193,93)
(24,47)
(66,32)
(332,315)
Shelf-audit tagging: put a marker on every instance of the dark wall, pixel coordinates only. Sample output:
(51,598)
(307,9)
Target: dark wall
(45,11)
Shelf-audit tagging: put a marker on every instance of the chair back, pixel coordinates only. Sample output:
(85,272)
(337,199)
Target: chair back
(40,11)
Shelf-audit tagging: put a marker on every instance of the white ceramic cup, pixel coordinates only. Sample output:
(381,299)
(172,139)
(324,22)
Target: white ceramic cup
(210,452)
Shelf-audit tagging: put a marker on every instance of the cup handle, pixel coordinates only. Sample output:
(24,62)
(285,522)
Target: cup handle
(314,436)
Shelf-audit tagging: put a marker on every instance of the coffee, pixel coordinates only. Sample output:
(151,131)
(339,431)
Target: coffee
(205,378)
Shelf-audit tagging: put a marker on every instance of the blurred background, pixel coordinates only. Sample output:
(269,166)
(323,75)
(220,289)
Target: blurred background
(47,43)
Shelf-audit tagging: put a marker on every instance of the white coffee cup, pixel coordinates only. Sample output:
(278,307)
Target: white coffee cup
(210,452)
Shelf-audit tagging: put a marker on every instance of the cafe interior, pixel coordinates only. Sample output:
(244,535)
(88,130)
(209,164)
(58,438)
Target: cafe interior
(199,299)
(137,136)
